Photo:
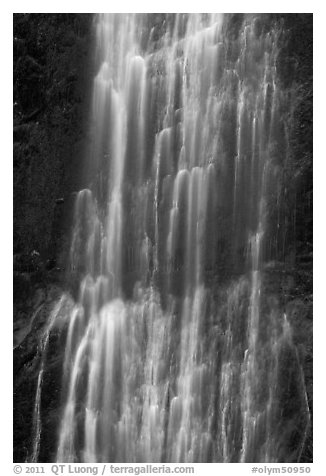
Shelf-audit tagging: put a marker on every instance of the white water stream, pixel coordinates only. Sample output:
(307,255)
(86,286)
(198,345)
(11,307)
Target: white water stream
(158,366)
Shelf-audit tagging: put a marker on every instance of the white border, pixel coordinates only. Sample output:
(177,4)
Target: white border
(319,466)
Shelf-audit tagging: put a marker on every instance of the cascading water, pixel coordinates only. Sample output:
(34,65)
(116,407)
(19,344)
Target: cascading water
(174,351)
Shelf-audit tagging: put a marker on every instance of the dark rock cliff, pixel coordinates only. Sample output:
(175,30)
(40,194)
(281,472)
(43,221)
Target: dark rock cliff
(52,78)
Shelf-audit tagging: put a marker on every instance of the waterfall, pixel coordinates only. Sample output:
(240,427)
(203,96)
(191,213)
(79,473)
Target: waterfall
(175,349)
(61,307)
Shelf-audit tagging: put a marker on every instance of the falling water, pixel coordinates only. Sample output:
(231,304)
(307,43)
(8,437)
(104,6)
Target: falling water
(175,351)
(61,306)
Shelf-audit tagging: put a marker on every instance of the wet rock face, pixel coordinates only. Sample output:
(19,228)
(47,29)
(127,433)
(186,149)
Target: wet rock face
(292,288)
(52,72)
(36,290)
(230,307)
(32,278)
(30,329)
